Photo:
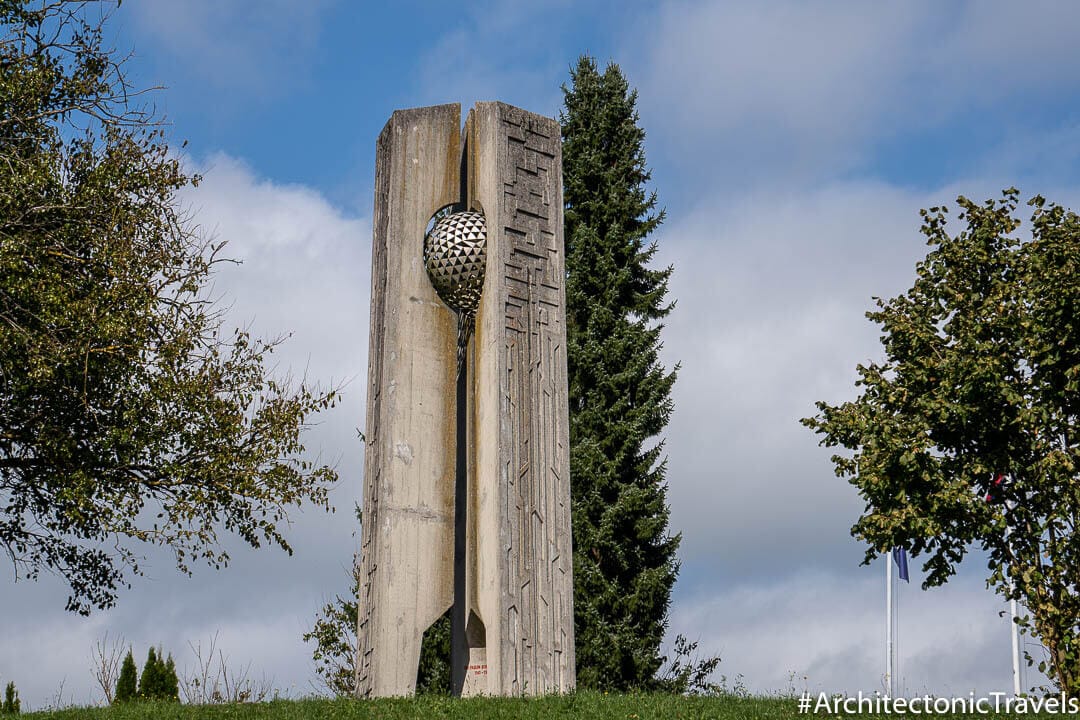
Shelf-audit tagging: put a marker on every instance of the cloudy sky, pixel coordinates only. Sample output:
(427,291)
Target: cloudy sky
(792,145)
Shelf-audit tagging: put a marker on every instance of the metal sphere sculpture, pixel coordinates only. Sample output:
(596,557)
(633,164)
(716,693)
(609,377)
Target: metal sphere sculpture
(455,255)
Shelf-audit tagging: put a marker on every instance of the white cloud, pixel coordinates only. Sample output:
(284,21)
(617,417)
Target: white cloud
(772,286)
(305,274)
(990,53)
(792,66)
(744,91)
(771,294)
(819,631)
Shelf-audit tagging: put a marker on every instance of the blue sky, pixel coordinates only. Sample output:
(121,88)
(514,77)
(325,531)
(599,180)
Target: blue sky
(792,145)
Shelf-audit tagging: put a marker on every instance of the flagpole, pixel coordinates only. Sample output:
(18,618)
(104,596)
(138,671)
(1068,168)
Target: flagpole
(888,626)
(1014,630)
(1015,649)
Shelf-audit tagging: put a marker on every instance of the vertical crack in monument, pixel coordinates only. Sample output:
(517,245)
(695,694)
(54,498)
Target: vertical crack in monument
(466,470)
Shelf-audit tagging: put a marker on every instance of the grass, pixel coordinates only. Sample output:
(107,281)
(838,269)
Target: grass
(584,705)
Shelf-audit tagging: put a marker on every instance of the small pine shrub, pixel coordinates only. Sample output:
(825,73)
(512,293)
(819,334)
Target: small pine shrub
(170,684)
(159,680)
(127,683)
(148,681)
(11,704)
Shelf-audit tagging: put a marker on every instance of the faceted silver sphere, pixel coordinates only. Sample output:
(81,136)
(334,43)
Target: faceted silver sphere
(455,255)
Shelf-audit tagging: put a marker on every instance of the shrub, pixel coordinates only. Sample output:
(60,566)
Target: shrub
(159,681)
(11,700)
(127,683)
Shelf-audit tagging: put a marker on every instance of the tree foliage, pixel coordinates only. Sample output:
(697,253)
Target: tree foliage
(12,705)
(128,413)
(433,673)
(620,393)
(334,635)
(688,674)
(966,435)
(158,680)
(128,683)
(148,680)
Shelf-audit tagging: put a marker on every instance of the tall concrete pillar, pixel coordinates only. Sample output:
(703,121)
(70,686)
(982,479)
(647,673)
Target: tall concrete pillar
(408,522)
(511,587)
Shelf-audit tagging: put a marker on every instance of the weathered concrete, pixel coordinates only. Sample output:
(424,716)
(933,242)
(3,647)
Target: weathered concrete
(407,531)
(516,573)
(524,561)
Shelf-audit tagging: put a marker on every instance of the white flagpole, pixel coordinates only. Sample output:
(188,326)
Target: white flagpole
(889,684)
(1013,629)
(1015,649)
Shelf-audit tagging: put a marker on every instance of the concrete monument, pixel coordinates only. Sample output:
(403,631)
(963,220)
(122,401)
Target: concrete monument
(466,470)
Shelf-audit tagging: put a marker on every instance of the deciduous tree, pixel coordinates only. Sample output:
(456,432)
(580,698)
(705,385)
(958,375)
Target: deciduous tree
(967,434)
(129,413)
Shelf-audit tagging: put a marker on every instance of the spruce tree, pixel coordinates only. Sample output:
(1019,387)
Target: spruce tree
(620,393)
(127,683)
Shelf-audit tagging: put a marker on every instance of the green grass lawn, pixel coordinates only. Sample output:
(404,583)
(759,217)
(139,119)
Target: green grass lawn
(585,705)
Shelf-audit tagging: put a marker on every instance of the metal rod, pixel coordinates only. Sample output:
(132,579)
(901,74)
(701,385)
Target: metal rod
(459,650)
(890,686)
(1014,630)
(1015,649)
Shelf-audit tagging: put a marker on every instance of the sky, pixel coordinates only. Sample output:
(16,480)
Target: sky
(792,145)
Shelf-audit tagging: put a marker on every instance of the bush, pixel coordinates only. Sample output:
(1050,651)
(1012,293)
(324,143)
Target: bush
(127,683)
(159,681)
(687,673)
(148,679)
(11,700)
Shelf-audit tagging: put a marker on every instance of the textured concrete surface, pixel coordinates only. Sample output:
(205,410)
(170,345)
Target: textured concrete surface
(407,531)
(524,562)
(518,565)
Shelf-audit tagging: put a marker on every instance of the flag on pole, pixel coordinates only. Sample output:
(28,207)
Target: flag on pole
(899,556)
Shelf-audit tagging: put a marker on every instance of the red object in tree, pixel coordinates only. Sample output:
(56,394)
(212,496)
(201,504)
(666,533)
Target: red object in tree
(995,487)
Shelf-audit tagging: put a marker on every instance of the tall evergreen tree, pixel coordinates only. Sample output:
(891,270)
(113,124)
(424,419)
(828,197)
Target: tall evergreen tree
(620,393)
(128,682)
